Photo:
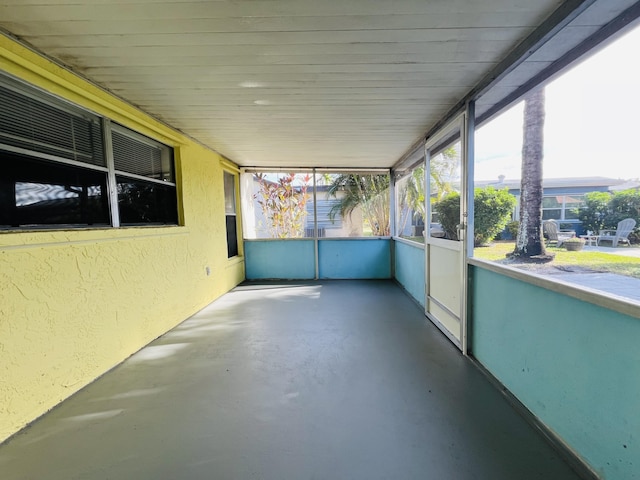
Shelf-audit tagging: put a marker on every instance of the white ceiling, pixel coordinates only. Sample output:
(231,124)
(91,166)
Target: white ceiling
(351,83)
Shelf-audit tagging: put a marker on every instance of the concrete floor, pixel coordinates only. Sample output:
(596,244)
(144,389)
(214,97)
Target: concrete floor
(625,251)
(327,380)
(618,285)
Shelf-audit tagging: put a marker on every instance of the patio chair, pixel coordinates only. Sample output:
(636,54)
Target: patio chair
(620,234)
(554,234)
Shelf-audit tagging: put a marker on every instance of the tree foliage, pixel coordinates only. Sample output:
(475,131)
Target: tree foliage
(370,193)
(283,204)
(603,210)
(444,169)
(492,211)
(412,197)
(624,204)
(595,210)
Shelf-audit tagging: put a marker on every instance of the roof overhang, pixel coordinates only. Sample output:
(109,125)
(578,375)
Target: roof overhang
(356,84)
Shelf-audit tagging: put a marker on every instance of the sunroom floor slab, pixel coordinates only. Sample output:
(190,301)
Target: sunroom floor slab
(314,380)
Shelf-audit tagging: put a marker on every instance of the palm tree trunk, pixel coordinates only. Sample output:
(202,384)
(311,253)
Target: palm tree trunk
(530,242)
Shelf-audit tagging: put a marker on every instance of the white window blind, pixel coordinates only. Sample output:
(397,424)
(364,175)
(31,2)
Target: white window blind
(49,127)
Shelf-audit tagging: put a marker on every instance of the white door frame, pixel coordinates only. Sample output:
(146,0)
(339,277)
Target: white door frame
(464,247)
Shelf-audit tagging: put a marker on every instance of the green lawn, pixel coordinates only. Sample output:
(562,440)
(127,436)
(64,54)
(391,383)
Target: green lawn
(596,261)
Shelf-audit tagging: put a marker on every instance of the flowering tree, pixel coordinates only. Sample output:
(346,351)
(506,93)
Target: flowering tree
(283,203)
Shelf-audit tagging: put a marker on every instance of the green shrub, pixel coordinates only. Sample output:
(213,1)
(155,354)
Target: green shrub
(595,211)
(493,209)
(603,210)
(625,204)
(512,228)
(448,210)
(492,212)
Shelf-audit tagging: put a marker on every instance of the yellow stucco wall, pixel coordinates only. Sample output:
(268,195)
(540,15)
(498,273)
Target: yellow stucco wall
(75,303)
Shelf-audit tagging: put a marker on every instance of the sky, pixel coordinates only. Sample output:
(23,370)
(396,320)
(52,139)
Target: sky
(592,117)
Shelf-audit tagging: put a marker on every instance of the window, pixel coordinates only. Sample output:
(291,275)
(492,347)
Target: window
(230,214)
(552,208)
(588,108)
(145,179)
(35,192)
(410,204)
(561,207)
(281,205)
(444,187)
(358,204)
(58,170)
(31,121)
(275,205)
(142,202)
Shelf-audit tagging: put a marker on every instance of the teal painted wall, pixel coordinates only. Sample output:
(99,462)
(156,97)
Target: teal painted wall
(338,258)
(355,258)
(283,259)
(575,365)
(409,269)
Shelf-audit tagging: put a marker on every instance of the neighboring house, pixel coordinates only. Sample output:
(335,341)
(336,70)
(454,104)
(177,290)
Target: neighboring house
(562,196)
(256,226)
(338,226)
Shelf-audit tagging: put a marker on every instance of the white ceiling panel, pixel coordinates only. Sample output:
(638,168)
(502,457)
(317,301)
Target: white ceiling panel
(286,82)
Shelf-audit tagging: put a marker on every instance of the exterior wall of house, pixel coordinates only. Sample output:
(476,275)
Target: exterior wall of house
(75,303)
(573,364)
(573,224)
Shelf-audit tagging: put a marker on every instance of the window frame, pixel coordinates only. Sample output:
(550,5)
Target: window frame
(107,166)
(232,216)
(562,207)
(405,215)
(310,230)
(252,213)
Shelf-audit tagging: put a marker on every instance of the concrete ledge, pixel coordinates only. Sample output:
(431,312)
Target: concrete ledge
(616,303)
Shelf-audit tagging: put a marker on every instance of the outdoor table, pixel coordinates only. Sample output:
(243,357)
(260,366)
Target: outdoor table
(591,238)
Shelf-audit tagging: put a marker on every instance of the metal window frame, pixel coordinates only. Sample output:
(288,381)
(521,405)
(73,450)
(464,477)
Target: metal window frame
(236,199)
(563,208)
(397,177)
(53,158)
(127,132)
(314,171)
(112,185)
(107,127)
(34,92)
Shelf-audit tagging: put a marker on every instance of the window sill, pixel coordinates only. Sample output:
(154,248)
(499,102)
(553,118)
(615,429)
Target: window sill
(235,260)
(406,241)
(322,239)
(18,239)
